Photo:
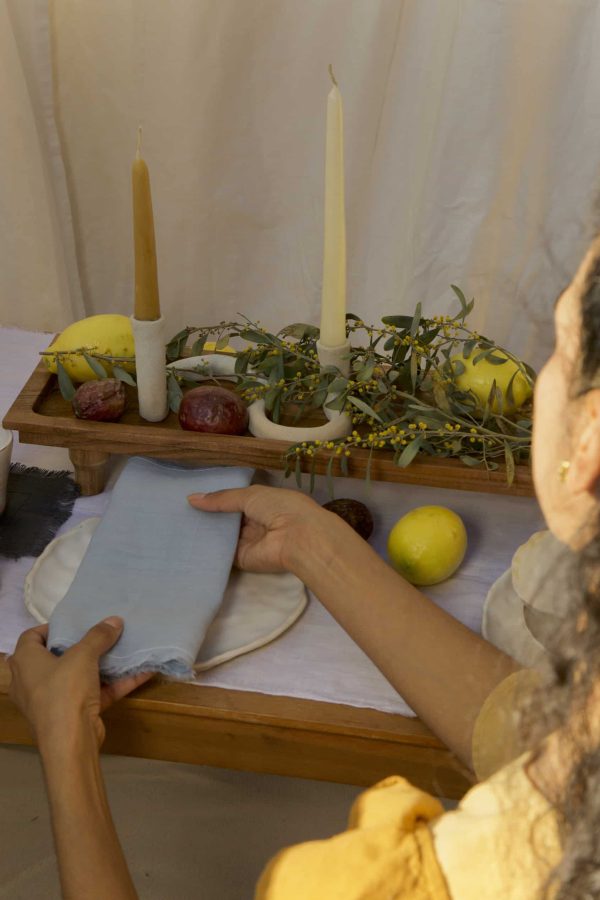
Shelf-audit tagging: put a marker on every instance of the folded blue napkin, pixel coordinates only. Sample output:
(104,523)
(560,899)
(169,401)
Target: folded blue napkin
(156,562)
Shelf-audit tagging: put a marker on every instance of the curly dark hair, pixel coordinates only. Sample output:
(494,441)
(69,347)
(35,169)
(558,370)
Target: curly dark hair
(573,672)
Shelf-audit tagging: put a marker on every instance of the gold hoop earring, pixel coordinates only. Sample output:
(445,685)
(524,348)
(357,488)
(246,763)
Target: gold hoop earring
(563,470)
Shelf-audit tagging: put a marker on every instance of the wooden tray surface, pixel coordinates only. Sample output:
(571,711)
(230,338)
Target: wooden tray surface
(41,416)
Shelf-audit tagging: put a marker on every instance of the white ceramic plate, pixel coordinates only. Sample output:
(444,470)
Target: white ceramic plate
(255,610)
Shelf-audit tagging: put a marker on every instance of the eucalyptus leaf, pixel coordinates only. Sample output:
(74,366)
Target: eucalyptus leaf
(510,464)
(428,336)
(336,403)
(510,396)
(409,452)
(270,397)
(320,397)
(276,411)
(255,337)
(222,342)
(465,308)
(414,369)
(176,345)
(198,346)
(96,366)
(398,321)
(65,385)
(439,395)
(301,330)
(124,376)
(174,393)
(468,348)
(338,384)
(416,321)
(363,407)
(471,461)
(241,363)
(365,373)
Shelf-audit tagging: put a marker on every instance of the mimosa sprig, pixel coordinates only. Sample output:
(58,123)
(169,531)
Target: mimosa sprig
(401,392)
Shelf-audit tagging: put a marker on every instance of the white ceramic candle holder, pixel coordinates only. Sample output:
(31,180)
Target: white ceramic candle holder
(149,339)
(339,424)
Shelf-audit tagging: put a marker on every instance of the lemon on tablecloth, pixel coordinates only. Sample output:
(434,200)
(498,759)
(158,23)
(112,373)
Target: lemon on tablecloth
(428,544)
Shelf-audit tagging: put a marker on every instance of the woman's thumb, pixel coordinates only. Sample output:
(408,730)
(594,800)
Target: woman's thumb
(103,636)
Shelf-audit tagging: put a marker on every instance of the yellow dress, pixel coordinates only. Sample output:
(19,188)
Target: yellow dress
(501,842)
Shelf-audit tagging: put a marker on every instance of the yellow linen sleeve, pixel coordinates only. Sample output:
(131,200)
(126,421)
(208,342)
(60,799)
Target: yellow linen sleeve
(495,740)
(386,852)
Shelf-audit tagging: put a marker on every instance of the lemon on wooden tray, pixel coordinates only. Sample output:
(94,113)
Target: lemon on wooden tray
(211,346)
(106,335)
(427,545)
(478,376)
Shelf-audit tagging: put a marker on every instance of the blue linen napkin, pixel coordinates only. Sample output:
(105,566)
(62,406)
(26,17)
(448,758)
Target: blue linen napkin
(156,562)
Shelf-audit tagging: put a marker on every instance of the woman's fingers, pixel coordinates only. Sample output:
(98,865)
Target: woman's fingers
(232,500)
(116,690)
(33,637)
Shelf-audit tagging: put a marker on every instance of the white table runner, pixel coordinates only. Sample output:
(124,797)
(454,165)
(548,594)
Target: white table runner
(315,659)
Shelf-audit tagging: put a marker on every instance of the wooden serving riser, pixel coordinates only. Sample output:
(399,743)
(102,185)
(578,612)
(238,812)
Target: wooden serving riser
(40,415)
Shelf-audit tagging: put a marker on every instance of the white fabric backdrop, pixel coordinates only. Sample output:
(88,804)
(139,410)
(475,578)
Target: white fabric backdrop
(39,279)
(472,150)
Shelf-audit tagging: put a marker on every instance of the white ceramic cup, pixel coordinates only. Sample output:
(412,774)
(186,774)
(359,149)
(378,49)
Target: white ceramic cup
(6,442)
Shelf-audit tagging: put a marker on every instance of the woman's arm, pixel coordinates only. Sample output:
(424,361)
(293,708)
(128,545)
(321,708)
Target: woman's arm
(441,668)
(90,859)
(62,698)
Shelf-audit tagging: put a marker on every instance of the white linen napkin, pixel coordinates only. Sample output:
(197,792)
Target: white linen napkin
(156,562)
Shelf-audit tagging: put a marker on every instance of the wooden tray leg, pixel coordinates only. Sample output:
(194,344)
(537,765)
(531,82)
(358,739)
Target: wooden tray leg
(90,469)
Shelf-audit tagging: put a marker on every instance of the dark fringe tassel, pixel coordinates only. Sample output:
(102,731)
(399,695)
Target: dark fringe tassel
(39,501)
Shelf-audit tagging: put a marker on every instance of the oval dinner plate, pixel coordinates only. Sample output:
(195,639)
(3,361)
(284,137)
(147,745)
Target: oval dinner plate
(256,608)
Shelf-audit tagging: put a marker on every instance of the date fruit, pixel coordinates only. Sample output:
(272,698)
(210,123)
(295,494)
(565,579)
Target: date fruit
(355,513)
(102,401)
(213,410)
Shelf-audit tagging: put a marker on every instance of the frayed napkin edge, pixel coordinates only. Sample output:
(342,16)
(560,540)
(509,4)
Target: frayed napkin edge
(163,663)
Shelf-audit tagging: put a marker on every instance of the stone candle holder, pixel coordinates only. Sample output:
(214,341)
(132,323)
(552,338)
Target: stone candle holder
(149,339)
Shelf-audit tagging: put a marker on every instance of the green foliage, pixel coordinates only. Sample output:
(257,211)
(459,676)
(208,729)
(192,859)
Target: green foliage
(401,392)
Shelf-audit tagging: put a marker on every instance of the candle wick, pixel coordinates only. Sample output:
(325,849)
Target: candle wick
(331,75)
(139,142)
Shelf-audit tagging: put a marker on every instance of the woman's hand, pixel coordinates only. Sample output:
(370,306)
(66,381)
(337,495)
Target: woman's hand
(59,696)
(275,524)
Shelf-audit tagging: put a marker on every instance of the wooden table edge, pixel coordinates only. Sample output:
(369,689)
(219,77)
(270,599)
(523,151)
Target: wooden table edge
(201,724)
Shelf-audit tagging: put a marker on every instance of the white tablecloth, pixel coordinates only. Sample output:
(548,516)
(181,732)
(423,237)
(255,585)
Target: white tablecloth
(315,659)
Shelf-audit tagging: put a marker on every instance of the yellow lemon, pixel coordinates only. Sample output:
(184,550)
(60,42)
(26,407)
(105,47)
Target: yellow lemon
(107,334)
(428,544)
(478,377)
(210,346)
